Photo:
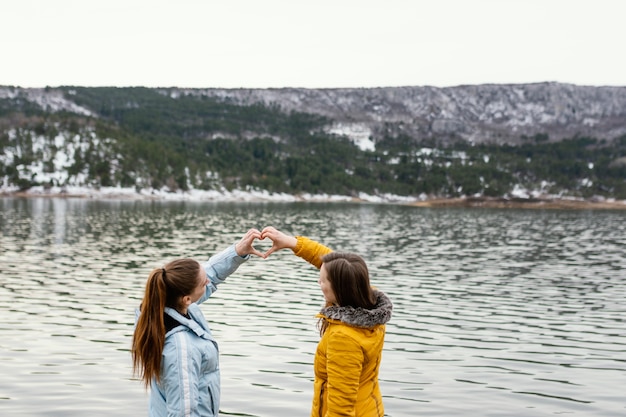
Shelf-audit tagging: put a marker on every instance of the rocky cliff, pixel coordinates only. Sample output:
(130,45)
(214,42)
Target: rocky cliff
(496,113)
(476,113)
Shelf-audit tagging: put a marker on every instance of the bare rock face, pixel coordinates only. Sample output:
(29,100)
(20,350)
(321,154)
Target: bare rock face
(493,113)
(498,113)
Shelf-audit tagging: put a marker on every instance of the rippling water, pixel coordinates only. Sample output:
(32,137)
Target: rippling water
(496,312)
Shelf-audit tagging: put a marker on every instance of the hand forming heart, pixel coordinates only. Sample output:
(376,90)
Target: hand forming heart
(279,241)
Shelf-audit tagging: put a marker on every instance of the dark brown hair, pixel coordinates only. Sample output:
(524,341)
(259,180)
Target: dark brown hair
(350,281)
(164,288)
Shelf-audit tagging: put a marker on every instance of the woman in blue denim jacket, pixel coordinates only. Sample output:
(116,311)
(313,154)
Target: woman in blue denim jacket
(173,350)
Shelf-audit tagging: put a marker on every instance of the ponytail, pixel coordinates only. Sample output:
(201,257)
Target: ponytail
(149,336)
(165,287)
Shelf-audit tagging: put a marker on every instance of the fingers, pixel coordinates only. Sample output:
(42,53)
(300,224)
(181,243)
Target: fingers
(269,232)
(274,235)
(257,253)
(244,246)
(253,234)
(270,251)
(279,241)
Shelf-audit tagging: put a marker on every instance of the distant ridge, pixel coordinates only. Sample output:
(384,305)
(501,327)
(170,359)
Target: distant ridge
(529,141)
(493,113)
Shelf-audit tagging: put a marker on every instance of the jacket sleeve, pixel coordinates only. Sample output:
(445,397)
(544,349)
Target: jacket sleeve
(344,365)
(180,377)
(310,250)
(219,267)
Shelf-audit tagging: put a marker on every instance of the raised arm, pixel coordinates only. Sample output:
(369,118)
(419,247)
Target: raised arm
(307,249)
(224,263)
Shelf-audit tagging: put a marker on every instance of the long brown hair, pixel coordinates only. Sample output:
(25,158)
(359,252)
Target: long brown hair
(350,281)
(164,288)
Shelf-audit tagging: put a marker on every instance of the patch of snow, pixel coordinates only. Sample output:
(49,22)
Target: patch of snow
(358,133)
(519,192)
(588,121)
(462,155)
(54,101)
(223,195)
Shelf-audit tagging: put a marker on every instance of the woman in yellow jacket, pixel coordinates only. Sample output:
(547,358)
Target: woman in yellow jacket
(352,329)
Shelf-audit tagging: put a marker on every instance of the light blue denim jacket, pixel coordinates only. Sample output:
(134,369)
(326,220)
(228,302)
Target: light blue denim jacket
(190,372)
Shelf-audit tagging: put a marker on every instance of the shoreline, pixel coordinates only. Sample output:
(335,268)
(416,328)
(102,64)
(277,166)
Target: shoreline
(524,203)
(551,203)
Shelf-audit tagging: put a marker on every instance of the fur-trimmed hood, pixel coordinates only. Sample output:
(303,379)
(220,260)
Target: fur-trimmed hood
(361,317)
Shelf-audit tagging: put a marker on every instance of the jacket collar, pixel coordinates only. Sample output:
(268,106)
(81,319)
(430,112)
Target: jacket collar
(189,323)
(361,317)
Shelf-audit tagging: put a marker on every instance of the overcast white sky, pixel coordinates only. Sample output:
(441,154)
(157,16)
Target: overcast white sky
(313,44)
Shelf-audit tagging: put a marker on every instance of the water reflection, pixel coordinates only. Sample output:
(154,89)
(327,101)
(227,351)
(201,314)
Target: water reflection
(496,312)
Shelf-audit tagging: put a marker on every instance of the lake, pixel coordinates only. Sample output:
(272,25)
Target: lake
(496,312)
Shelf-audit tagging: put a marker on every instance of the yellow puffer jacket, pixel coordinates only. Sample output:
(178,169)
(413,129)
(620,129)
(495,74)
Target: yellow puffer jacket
(349,353)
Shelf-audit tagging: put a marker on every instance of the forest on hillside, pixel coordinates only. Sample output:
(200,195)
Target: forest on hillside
(141,137)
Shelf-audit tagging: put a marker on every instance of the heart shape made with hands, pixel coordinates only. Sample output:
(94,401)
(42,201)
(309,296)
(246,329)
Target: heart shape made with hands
(254,242)
(263,245)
